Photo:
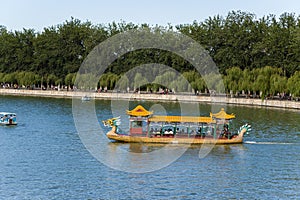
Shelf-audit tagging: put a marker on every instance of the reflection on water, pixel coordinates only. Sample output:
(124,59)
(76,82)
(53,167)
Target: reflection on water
(149,147)
(136,147)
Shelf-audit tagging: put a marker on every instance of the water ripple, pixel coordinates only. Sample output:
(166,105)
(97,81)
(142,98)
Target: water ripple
(43,158)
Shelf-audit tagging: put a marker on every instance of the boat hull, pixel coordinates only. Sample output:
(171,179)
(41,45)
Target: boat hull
(173,140)
(8,123)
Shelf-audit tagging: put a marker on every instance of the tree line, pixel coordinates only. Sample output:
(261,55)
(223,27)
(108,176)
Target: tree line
(240,44)
(261,82)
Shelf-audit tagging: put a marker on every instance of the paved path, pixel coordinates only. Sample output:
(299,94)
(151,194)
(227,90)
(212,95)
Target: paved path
(153,97)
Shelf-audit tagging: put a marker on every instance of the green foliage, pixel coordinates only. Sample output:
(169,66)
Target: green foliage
(85,81)
(195,80)
(2,77)
(70,79)
(278,84)
(293,84)
(232,80)
(10,78)
(214,83)
(266,81)
(246,81)
(139,81)
(54,55)
(28,78)
(123,83)
(239,39)
(108,80)
(51,79)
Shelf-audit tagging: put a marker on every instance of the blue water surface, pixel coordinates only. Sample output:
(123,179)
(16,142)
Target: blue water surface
(43,158)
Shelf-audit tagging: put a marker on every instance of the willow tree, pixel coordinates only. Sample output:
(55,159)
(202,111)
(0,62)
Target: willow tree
(28,78)
(1,77)
(10,78)
(278,84)
(246,81)
(232,79)
(108,80)
(195,80)
(123,83)
(70,79)
(199,84)
(293,84)
(51,80)
(139,81)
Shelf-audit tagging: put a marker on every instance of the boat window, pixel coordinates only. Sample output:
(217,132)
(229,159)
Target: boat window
(155,128)
(209,130)
(145,126)
(168,130)
(193,130)
(136,124)
(220,127)
(181,129)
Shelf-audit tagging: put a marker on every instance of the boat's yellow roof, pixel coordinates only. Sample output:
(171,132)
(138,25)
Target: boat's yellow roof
(222,115)
(139,111)
(181,119)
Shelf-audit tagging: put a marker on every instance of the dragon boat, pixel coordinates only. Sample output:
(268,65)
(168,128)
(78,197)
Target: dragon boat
(144,127)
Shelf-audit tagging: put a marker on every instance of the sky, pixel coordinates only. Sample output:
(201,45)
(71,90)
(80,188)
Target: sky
(38,14)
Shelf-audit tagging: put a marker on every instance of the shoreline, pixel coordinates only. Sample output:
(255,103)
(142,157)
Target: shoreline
(153,97)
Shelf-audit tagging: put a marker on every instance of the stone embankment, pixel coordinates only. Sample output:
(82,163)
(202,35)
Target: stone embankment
(154,97)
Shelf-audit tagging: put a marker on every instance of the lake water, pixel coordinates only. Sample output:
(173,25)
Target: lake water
(43,157)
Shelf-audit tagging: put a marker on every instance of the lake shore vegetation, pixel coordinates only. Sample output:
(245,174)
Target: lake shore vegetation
(256,56)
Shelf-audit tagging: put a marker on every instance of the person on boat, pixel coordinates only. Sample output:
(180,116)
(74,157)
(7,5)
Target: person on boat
(225,132)
(199,133)
(168,132)
(151,130)
(193,132)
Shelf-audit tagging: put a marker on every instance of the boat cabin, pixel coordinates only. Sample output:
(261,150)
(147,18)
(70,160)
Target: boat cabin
(143,123)
(223,122)
(138,120)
